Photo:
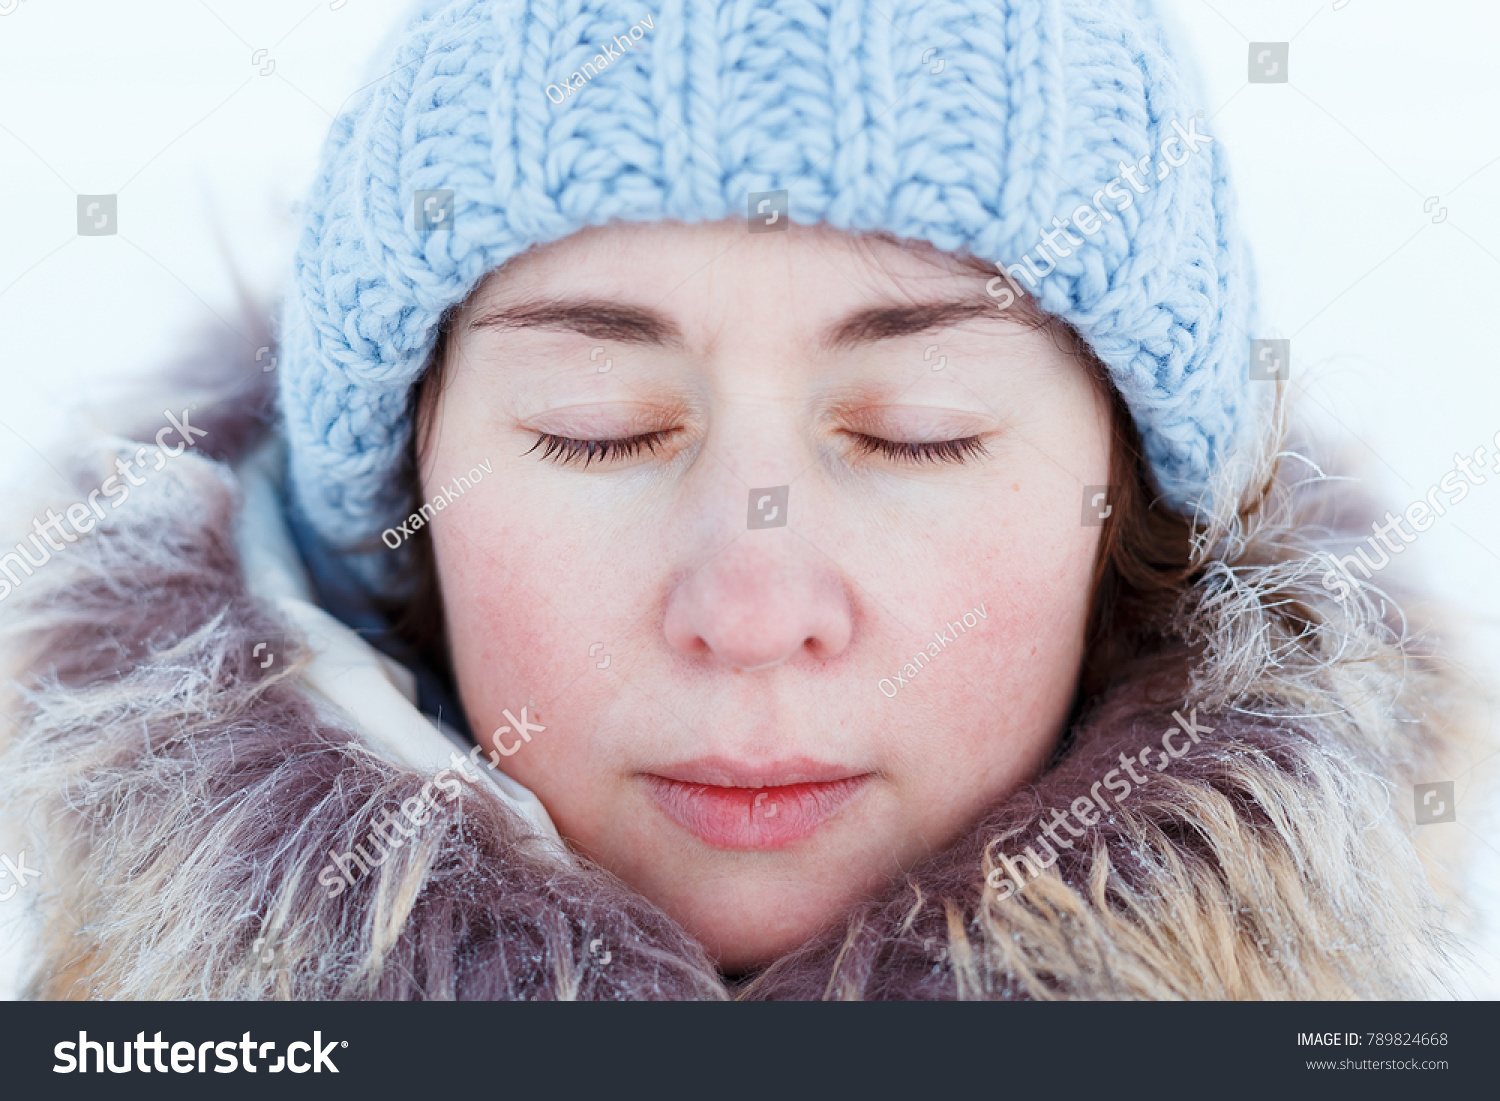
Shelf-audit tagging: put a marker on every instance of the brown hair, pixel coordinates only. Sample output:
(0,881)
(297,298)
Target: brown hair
(1141,570)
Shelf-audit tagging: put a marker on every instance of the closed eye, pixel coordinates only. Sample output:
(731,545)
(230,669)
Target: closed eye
(936,451)
(564,450)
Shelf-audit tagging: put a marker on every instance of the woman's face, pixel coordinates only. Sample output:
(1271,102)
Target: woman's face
(782,548)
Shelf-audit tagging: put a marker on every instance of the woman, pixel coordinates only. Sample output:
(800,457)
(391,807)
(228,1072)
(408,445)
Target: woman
(792,518)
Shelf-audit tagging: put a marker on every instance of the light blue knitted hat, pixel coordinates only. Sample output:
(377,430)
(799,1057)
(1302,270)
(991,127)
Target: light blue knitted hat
(976,126)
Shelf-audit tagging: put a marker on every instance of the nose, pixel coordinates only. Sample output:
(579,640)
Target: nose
(760,603)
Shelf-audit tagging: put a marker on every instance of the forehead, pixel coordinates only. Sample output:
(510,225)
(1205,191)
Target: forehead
(671,264)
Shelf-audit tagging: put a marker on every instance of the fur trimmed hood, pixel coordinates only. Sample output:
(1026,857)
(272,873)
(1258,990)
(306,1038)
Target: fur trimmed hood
(179,801)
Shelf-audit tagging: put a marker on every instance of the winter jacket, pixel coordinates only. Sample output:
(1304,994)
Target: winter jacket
(182,796)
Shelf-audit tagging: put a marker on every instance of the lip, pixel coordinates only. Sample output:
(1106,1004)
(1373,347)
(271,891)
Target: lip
(735,805)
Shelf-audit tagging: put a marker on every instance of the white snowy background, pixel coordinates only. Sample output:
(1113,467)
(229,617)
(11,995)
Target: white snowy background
(1369,185)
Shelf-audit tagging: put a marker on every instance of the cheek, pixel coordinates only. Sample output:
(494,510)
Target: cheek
(983,714)
(1042,578)
(534,602)
(493,613)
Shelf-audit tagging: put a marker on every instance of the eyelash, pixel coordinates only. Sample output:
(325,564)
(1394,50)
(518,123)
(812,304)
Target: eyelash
(563,450)
(937,451)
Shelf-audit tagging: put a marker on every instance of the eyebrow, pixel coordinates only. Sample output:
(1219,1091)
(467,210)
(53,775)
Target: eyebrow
(604,320)
(879,323)
(591,317)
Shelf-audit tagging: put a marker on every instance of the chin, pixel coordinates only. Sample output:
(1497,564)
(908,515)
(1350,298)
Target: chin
(746,919)
(751,937)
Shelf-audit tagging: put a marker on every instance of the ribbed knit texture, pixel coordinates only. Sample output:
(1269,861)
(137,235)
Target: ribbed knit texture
(1036,104)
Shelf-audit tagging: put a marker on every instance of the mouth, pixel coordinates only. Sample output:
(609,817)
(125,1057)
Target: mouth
(730,805)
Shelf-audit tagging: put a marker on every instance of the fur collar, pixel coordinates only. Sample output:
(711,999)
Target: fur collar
(183,800)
